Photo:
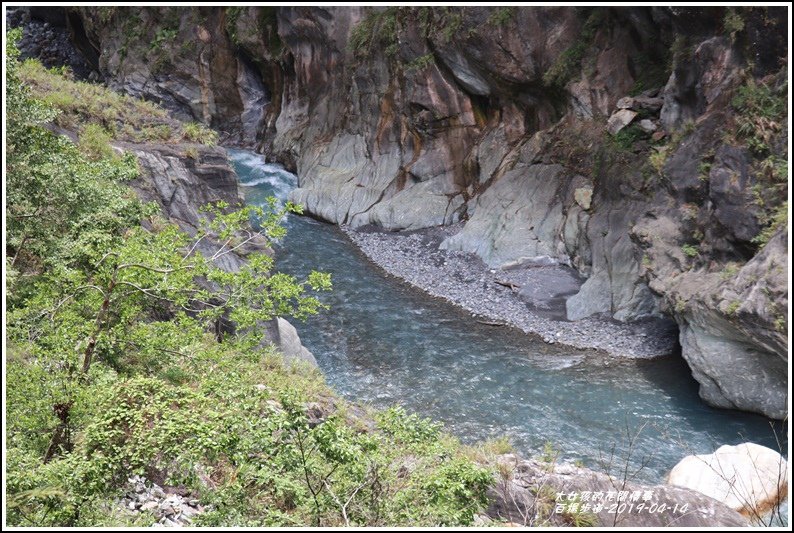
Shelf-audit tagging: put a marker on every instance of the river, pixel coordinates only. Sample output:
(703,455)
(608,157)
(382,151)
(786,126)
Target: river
(383,342)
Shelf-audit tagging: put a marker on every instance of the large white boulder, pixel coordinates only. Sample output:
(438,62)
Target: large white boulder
(749,478)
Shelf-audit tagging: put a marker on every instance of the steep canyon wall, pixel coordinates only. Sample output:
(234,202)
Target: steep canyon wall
(646,147)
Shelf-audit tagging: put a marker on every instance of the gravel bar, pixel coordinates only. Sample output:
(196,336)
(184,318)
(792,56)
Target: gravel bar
(464,280)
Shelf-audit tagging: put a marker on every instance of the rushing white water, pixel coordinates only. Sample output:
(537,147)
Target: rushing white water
(270,178)
(383,342)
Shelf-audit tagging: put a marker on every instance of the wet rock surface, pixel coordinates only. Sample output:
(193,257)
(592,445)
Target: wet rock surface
(504,297)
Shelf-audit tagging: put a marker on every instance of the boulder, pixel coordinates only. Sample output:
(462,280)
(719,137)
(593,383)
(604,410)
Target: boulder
(748,478)
(619,120)
(583,197)
(517,216)
(649,104)
(285,337)
(627,102)
(734,369)
(647,125)
(527,492)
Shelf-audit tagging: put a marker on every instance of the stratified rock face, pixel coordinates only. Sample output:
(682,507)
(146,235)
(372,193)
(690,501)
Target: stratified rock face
(407,118)
(182,185)
(181,59)
(748,478)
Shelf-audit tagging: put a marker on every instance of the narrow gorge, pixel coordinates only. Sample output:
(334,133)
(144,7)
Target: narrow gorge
(562,226)
(507,119)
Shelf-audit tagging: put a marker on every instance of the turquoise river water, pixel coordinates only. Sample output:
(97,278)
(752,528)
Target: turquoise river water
(383,342)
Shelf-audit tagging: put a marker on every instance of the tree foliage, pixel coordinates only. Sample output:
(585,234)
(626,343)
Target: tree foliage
(130,351)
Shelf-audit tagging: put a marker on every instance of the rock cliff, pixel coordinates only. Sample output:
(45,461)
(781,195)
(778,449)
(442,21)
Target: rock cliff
(181,185)
(646,147)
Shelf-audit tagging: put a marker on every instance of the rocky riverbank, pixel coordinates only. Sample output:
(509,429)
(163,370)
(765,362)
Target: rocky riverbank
(530,295)
(645,145)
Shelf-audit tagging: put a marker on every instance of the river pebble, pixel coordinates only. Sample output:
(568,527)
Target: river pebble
(464,280)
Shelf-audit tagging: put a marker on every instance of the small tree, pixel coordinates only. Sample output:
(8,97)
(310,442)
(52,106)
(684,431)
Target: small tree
(154,292)
(87,281)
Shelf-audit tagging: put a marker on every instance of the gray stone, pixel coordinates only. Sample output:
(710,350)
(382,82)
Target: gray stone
(166,509)
(527,262)
(187,512)
(693,85)
(647,103)
(647,125)
(150,506)
(732,371)
(285,336)
(463,71)
(514,218)
(729,181)
(548,287)
(619,120)
(315,413)
(627,102)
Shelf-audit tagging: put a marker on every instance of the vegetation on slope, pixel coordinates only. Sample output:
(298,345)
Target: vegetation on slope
(93,110)
(114,368)
(761,109)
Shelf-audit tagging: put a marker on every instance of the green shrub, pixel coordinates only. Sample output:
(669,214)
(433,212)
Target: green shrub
(163,36)
(80,103)
(624,139)
(773,223)
(232,15)
(732,23)
(568,62)
(704,168)
(657,159)
(761,110)
(420,63)
(195,132)
(501,16)
(690,250)
(191,152)
(729,271)
(378,28)
(95,142)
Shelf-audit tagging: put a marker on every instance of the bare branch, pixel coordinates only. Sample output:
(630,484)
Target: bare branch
(153,269)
